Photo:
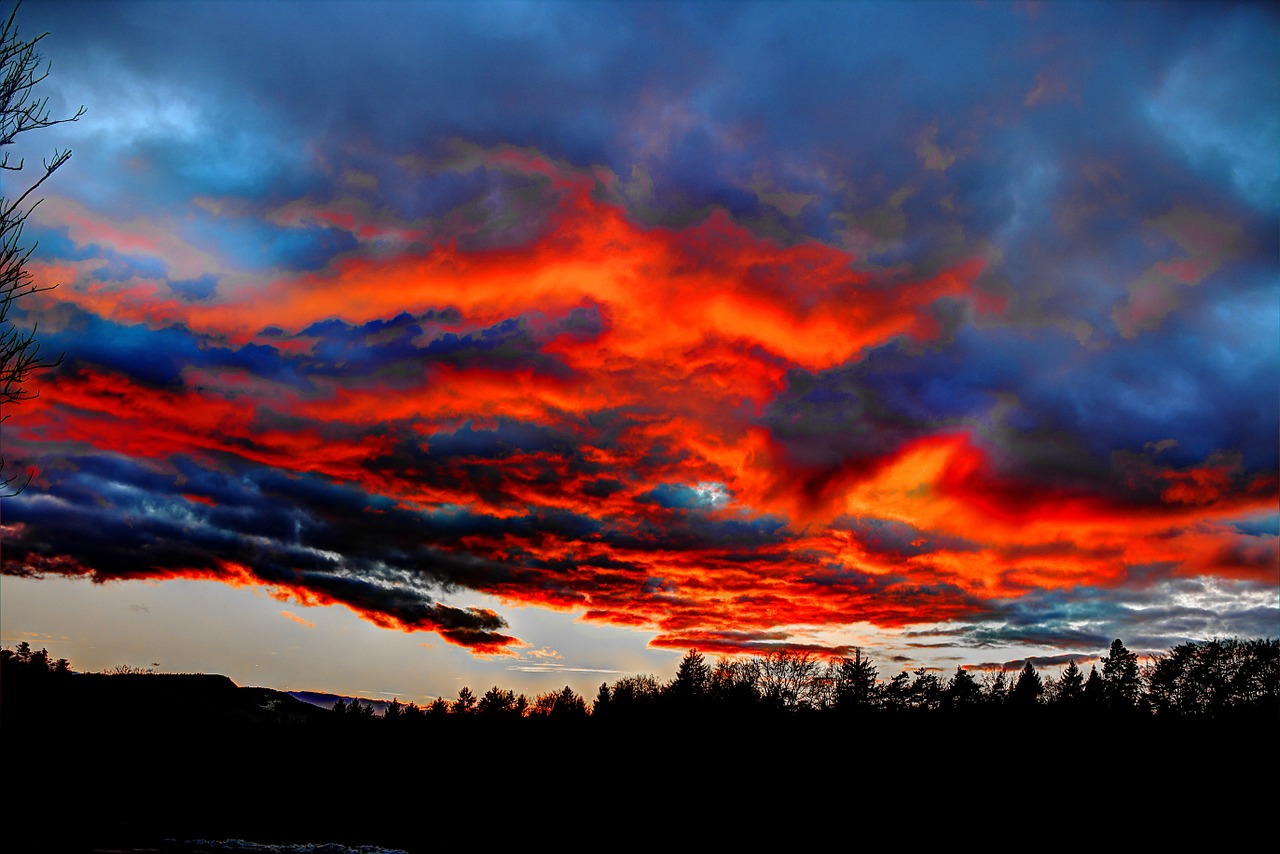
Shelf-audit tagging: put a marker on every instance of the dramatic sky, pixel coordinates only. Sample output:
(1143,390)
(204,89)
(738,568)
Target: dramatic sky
(416,344)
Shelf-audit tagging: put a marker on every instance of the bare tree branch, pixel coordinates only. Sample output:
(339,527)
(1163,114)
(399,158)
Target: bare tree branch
(22,68)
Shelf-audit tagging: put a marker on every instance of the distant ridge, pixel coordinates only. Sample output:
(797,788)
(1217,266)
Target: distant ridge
(324,700)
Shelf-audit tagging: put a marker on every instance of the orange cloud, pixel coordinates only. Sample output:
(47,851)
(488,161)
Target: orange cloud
(289,615)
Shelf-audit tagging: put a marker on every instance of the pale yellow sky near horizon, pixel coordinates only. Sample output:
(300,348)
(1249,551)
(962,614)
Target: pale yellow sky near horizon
(255,639)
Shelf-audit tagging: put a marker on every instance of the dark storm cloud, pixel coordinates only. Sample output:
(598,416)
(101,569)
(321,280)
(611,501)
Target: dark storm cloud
(507,437)
(156,357)
(892,538)
(725,86)
(516,344)
(281,528)
(508,345)
(1008,388)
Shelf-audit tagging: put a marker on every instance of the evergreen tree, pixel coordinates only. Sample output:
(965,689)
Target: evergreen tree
(1094,690)
(1028,689)
(963,692)
(855,682)
(466,702)
(897,694)
(1121,681)
(692,678)
(997,689)
(601,704)
(1071,686)
(926,690)
(497,703)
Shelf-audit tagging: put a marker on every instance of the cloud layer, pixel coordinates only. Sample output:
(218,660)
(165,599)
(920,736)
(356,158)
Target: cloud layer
(731,322)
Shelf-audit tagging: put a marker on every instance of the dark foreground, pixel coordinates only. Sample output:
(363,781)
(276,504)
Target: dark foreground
(154,762)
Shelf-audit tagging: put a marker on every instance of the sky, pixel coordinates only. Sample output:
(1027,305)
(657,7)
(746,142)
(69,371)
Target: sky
(410,345)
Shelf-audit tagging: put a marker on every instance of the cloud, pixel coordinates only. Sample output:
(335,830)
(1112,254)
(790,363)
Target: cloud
(960,319)
(289,615)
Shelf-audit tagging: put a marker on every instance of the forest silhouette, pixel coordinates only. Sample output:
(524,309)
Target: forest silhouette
(141,757)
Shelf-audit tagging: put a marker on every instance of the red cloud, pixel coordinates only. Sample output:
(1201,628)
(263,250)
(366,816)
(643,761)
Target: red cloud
(698,329)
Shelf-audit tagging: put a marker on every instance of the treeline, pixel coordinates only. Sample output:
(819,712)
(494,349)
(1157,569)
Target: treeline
(25,661)
(1201,679)
(212,760)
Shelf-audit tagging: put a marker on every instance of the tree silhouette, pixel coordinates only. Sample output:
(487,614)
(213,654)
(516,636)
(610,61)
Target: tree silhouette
(1216,676)
(466,702)
(734,685)
(997,688)
(1121,680)
(788,679)
(854,682)
(563,705)
(1070,688)
(634,695)
(1094,690)
(926,690)
(963,692)
(1028,689)
(601,703)
(20,111)
(497,703)
(692,680)
(33,662)
(897,694)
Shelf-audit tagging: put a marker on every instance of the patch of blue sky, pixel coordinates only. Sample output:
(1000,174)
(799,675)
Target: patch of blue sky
(1262,525)
(253,244)
(1244,331)
(704,495)
(54,243)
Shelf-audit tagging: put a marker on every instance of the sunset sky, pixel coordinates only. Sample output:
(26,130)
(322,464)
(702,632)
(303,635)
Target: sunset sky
(411,345)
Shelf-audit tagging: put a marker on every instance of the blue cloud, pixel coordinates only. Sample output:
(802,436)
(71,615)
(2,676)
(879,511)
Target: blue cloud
(199,289)
(158,357)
